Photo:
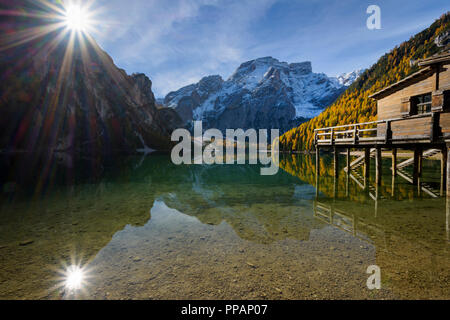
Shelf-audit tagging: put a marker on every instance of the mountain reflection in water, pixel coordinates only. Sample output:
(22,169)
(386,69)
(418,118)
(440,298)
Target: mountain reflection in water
(151,230)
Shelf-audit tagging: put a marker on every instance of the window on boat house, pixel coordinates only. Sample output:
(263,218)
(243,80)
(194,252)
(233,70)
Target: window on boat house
(422,104)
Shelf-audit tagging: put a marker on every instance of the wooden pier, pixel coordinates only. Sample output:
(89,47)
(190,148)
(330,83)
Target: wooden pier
(413,114)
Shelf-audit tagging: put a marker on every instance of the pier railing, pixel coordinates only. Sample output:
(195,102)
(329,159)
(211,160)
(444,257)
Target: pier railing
(411,129)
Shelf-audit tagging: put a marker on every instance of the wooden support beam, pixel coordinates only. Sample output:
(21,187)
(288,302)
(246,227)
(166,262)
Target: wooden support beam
(335,187)
(317,161)
(377,197)
(437,69)
(388,133)
(447,218)
(394,162)
(348,161)
(366,167)
(336,171)
(420,165)
(434,132)
(317,170)
(355,134)
(393,186)
(444,157)
(378,167)
(416,165)
(336,162)
(448,172)
(347,179)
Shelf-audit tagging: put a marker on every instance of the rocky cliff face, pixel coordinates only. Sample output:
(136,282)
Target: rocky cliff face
(261,93)
(69,96)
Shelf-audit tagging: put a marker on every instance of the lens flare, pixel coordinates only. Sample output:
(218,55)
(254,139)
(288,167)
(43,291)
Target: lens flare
(49,16)
(77,18)
(74,278)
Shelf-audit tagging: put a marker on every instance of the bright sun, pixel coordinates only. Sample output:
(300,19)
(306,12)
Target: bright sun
(77,18)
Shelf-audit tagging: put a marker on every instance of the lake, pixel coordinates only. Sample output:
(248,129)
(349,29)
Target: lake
(144,228)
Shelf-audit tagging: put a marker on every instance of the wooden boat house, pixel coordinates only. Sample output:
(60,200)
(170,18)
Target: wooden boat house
(413,114)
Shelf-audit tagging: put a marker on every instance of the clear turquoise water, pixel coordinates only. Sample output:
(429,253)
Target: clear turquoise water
(143,228)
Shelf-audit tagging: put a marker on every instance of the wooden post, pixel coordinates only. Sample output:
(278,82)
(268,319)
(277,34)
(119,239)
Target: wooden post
(317,161)
(447,218)
(366,167)
(434,132)
(377,196)
(394,162)
(336,171)
(393,186)
(388,133)
(347,180)
(317,170)
(348,161)
(419,172)
(335,191)
(378,166)
(417,164)
(443,170)
(437,69)
(448,172)
(336,162)
(420,165)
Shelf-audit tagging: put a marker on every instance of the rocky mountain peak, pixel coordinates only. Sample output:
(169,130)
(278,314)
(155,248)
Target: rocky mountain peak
(144,85)
(210,84)
(301,68)
(261,93)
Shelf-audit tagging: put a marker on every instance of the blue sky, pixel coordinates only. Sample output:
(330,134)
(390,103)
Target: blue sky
(177,42)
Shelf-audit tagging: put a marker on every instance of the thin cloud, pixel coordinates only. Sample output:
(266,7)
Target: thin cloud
(177,42)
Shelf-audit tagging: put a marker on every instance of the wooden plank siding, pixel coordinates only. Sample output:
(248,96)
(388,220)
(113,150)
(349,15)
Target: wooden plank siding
(409,127)
(444,124)
(444,78)
(390,107)
(398,103)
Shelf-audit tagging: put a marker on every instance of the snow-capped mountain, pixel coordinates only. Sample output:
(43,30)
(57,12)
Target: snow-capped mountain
(346,79)
(261,93)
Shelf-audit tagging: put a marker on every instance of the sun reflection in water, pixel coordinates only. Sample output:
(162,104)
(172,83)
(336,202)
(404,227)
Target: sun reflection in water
(74,278)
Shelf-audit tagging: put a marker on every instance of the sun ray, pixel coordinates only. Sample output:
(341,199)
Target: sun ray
(75,16)
(45,4)
(27,35)
(43,26)
(51,124)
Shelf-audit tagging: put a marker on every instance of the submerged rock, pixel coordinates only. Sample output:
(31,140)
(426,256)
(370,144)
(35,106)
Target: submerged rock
(26,242)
